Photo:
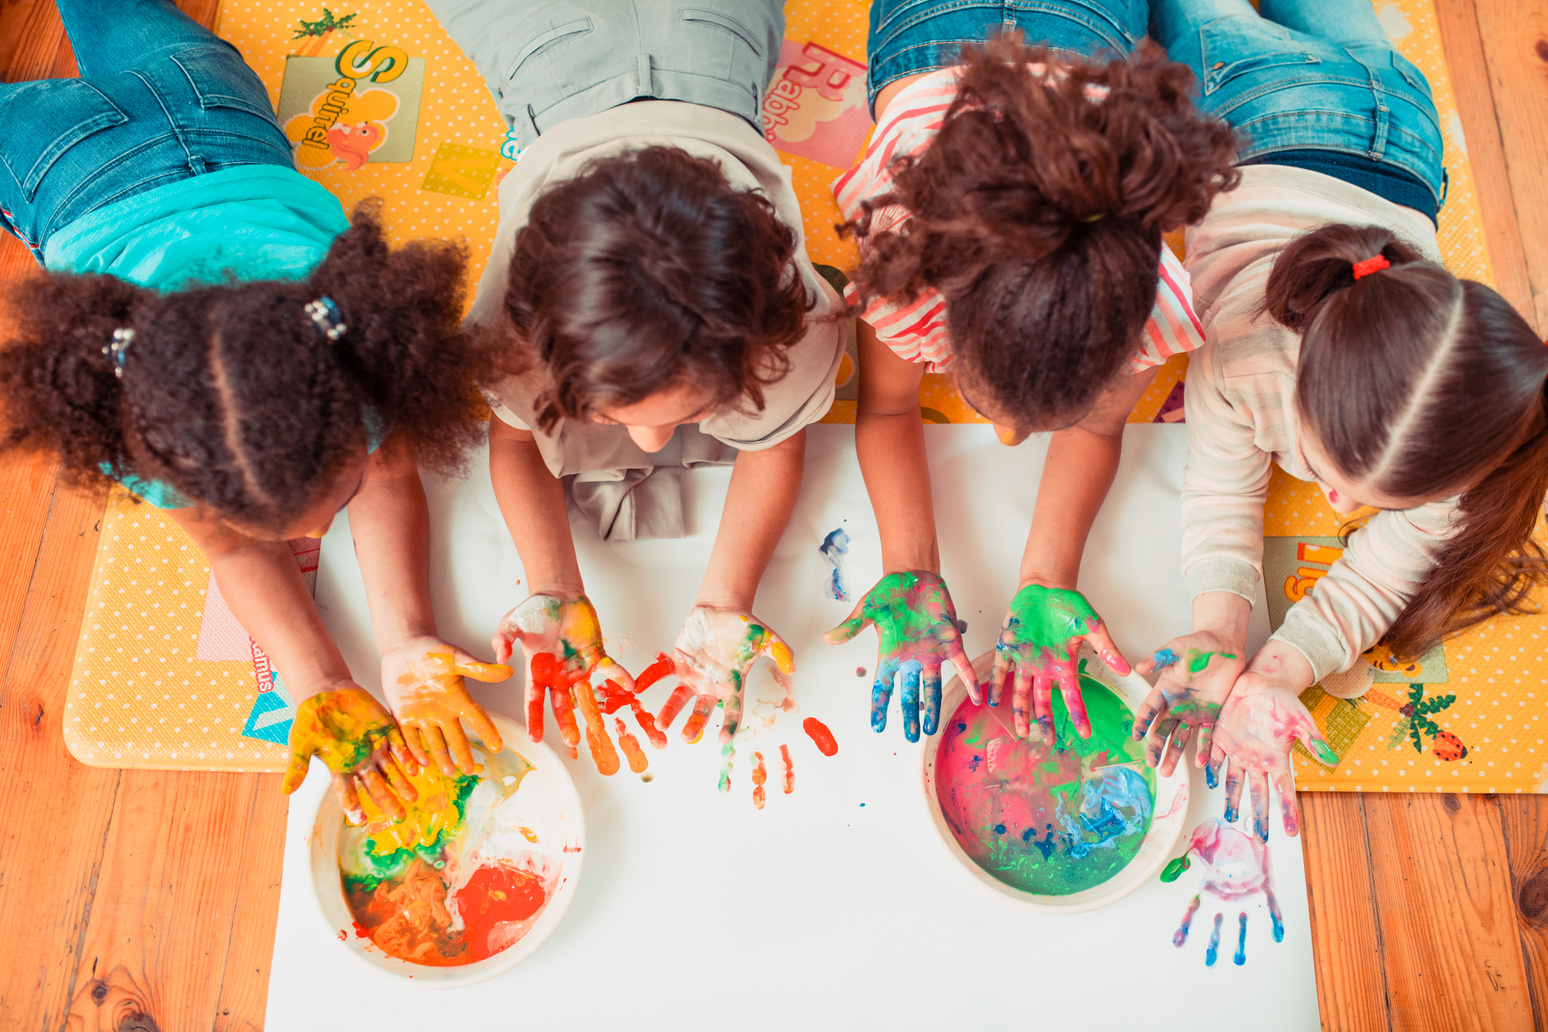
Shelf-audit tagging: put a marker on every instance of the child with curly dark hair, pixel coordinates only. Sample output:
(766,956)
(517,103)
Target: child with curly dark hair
(649,267)
(213,334)
(1010,210)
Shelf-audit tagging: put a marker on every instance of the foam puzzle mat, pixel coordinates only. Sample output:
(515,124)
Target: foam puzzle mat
(379,102)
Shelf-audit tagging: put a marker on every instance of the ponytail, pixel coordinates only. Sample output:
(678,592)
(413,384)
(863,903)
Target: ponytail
(58,387)
(1420,385)
(1038,209)
(233,394)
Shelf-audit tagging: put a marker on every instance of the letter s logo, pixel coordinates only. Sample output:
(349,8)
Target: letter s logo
(363,59)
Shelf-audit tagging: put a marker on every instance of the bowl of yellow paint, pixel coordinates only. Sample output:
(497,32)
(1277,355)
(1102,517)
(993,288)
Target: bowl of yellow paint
(470,882)
(1062,826)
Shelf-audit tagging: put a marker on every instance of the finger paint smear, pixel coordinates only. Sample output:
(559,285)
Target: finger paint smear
(465,874)
(1044,818)
(835,552)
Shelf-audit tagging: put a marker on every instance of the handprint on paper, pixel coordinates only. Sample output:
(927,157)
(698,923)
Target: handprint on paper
(1236,865)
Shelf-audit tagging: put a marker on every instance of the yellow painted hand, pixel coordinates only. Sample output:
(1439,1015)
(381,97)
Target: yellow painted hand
(356,738)
(430,699)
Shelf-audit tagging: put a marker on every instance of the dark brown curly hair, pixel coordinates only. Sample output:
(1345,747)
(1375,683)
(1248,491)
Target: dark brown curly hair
(230,393)
(649,271)
(1037,213)
(1422,384)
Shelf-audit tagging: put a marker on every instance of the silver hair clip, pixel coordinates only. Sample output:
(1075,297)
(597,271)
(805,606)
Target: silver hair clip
(325,314)
(122,338)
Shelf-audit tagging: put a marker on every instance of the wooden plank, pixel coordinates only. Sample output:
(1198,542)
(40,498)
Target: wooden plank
(1514,36)
(1525,822)
(1451,948)
(1474,94)
(1346,933)
(244,985)
(30,35)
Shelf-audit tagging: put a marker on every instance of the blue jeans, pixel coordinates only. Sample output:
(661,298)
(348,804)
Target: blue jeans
(913,36)
(159,99)
(1307,75)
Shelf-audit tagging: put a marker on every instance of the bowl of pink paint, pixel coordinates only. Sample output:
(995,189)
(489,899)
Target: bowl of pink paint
(470,882)
(1059,826)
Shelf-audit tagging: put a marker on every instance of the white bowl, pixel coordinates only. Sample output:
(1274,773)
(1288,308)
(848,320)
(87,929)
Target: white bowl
(548,775)
(1166,827)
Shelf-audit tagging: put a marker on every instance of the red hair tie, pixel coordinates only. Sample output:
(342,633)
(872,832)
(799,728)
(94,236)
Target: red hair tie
(1370,265)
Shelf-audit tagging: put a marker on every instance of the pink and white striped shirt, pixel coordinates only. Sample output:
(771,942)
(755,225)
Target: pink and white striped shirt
(916,330)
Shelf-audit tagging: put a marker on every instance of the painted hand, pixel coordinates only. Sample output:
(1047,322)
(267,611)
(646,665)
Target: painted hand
(715,652)
(1042,633)
(916,630)
(1197,672)
(423,679)
(1236,866)
(1258,725)
(562,641)
(350,732)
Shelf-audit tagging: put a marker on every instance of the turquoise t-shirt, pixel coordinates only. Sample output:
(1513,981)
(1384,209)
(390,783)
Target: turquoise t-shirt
(253,222)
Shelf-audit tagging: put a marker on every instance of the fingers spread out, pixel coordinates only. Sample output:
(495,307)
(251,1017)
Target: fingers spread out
(852,626)
(930,682)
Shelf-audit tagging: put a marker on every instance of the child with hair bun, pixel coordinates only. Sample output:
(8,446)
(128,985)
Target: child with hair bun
(1010,210)
(1338,347)
(213,334)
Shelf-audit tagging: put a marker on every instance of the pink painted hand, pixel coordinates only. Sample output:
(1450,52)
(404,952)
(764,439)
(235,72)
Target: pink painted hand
(715,652)
(1259,724)
(364,751)
(1197,672)
(916,630)
(1038,642)
(562,641)
(424,682)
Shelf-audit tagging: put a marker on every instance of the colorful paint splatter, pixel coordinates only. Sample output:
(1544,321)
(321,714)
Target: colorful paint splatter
(1049,820)
(460,878)
(835,552)
(1236,865)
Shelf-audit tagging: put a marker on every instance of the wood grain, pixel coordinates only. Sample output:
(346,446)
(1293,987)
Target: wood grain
(1514,39)
(1524,820)
(1352,991)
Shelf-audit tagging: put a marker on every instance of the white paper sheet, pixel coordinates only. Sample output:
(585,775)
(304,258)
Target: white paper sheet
(836,906)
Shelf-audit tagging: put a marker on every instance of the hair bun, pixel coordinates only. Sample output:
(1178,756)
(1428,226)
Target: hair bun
(1325,261)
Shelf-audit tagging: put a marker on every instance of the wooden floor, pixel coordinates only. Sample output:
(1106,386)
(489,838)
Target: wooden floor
(135,900)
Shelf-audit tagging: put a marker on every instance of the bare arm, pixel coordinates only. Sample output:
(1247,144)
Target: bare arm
(764,486)
(263,588)
(532,501)
(390,523)
(1082,460)
(889,440)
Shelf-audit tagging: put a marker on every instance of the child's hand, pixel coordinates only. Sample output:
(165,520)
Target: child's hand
(1197,672)
(1042,633)
(916,630)
(562,641)
(350,732)
(715,652)
(1262,718)
(423,679)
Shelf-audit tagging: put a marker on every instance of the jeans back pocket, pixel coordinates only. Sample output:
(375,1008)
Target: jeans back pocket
(220,78)
(44,119)
(1240,44)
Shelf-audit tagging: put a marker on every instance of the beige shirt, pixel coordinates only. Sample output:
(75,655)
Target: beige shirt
(628,492)
(1241,415)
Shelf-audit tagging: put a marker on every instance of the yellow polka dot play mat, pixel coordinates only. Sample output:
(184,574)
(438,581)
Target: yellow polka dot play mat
(378,101)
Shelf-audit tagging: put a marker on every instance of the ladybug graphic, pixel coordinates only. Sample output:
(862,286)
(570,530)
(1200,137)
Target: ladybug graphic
(1448,746)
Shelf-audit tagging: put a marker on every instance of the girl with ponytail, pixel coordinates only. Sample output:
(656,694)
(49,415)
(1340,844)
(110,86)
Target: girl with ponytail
(1010,210)
(213,334)
(1340,349)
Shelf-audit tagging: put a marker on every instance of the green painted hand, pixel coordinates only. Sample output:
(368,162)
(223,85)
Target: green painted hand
(1197,672)
(1038,642)
(916,630)
(363,749)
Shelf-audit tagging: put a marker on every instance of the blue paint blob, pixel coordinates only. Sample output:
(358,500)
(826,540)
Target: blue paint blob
(1212,954)
(1165,658)
(1211,776)
(999,829)
(961,726)
(1279,924)
(1241,940)
(835,550)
